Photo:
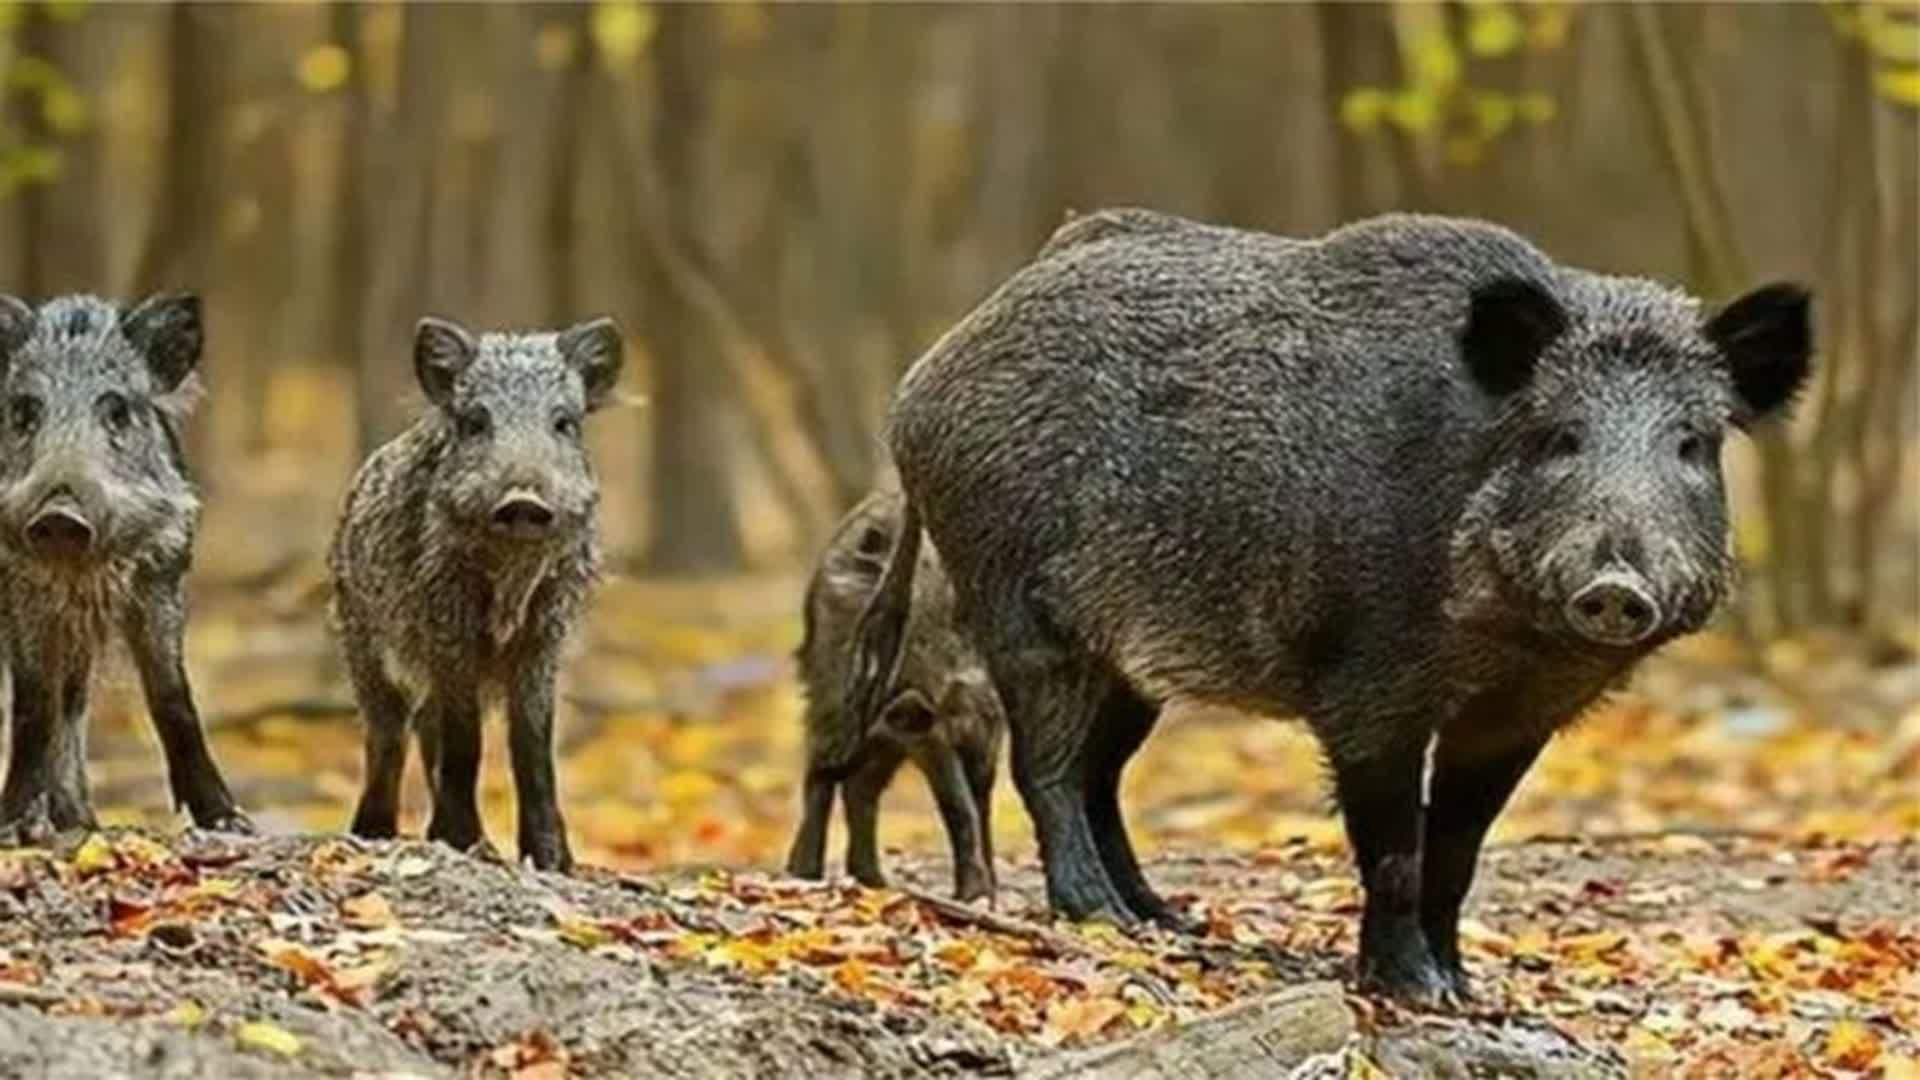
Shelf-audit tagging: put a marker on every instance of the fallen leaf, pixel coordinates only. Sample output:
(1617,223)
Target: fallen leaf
(260,1035)
(127,916)
(412,866)
(585,933)
(137,850)
(368,911)
(1081,1018)
(1851,1045)
(94,856)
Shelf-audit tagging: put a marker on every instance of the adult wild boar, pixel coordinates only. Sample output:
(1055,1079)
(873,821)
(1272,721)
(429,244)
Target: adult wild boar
(1412,480)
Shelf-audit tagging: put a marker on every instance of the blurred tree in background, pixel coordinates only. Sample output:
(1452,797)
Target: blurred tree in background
(784,204)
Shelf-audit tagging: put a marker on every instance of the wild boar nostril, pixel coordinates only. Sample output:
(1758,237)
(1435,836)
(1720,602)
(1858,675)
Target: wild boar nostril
(60,530)
(1614,610)
(522,512)
(1635,610)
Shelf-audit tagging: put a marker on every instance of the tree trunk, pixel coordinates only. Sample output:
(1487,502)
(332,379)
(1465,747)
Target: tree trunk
(696,529)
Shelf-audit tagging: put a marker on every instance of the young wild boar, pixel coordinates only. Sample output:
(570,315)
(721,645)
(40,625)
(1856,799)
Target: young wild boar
(1412,480)
(97,517)
(465,551)
(942,711)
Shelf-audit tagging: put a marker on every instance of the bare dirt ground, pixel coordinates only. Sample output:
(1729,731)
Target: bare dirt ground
(304,956)
(1716,878)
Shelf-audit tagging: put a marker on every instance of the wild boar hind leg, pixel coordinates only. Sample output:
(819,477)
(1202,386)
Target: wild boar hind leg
(1053,693)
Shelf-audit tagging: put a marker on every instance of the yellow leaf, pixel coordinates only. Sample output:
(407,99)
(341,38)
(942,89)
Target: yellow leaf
(95,855)
(1852,1045)
(1590,947)
(747,955)
(1492,29)
(324,68)
(64,110)
(137,850)
(1415,112)
(1362,110)
(1890,37)
(217,888)
(1537,108)
(1081,1018)
(1642,1043)
(186,1014)
(1899,84)
(622,28)
(1493,113)
(1103,933)
(687,787)
(1362,1067)
(260,1035)
(1145,1014)
(1435,63)
(581,932)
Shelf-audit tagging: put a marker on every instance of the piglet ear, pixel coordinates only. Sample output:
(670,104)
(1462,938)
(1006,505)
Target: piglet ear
(1510,322)
(595,351)
(1766,338)
(16,326)
(166,330)
(909,714)
(442,349)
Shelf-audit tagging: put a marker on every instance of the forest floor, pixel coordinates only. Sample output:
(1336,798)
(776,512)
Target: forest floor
(1716,877)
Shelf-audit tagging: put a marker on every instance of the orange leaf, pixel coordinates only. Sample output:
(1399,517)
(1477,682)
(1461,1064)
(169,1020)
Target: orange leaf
(958,955)
(1852,1045)
(127,916)
(853,976)
(305,964)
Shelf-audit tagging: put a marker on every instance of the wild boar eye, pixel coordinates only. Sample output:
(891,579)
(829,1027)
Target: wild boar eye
(474,423)
(23,413)
(1694,447)
(115,411)
(1563,443)
(567,426)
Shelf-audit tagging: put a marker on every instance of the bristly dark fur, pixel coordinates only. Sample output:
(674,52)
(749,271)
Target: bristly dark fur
(441,609)
(940,710)
(92,396)
(1411,480)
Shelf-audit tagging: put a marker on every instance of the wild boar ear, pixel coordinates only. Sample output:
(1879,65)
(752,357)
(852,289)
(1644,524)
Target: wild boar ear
(16,326)
(855,571)
(166,330)
(1510,322)
(1766,337)
(595,351)
(442,349)
(909,714)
